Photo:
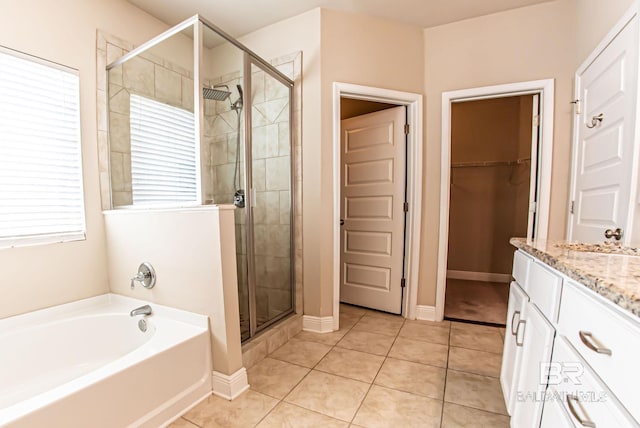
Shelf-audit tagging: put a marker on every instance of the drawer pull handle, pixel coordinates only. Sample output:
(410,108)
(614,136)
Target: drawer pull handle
(514,325)
(585,422)
(592,343)
(523,324)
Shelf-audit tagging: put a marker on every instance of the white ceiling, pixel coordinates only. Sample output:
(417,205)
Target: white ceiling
(239,17)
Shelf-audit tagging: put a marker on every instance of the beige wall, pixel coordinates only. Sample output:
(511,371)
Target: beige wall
(65,32)
(365,51)
(524,44)
(594,19)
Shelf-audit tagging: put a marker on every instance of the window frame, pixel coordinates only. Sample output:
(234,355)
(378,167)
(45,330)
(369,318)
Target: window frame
(55,237)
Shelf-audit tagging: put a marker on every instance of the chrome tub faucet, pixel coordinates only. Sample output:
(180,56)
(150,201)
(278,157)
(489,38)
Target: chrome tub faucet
(142,310)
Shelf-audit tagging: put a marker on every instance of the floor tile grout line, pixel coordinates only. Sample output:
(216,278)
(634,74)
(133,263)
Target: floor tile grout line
(311,369)
(189,420)
(446,375)
(386,357)
(374,378)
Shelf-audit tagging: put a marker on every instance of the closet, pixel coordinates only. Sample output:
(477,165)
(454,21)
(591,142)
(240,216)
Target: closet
(490,194)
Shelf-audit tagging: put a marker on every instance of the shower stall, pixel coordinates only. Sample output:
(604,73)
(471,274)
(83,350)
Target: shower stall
(197,118)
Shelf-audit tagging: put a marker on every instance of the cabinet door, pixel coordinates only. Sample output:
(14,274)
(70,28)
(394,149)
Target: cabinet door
(511,354)
(536,335)
(553,414)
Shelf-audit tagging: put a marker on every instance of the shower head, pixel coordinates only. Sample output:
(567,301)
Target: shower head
(238,104)
(240,93)
(215,93)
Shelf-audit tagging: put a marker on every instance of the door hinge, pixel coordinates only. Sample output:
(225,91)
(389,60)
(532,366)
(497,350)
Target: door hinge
(406,129)
(405,207)
(536,120)
(576,102)
(571,208)
(403,282)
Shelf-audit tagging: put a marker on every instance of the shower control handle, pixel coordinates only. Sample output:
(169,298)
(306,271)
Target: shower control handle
(146,276)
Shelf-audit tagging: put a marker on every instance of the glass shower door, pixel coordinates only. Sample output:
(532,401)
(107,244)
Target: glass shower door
(271,180)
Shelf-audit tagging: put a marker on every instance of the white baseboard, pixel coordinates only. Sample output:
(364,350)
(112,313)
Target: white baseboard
(317,324)
(426,313)
(478,276)
(230,386)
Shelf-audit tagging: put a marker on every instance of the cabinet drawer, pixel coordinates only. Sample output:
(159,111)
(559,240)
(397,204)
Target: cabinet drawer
(589,322)
(583,396)
(543,287)
(554,414)
(521,263)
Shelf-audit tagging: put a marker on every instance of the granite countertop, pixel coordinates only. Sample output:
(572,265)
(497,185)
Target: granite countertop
(609,270)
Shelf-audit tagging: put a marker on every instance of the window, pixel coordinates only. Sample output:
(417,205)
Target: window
(41,198)
(163,153)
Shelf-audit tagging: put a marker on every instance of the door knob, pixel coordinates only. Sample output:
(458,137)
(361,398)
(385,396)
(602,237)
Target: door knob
(613,234)
(341,222)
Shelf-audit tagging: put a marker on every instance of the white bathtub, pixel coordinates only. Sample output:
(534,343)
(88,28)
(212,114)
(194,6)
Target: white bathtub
(87,364)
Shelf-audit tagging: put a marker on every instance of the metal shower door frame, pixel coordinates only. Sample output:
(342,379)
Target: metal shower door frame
(250,60)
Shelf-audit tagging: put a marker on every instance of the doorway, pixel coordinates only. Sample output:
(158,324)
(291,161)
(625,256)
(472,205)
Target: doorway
(494,149)
(373,190)
(413,104)
(465,170)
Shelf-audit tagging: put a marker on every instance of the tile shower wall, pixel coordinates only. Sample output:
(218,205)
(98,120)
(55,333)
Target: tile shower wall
(271,163)
(149,76)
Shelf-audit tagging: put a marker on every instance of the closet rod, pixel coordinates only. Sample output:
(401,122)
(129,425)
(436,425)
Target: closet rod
(489,163)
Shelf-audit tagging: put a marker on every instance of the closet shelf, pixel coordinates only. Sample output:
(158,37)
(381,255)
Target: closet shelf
(489,163)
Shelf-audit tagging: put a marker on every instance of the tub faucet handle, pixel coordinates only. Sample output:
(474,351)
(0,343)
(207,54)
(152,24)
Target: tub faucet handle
(146,276)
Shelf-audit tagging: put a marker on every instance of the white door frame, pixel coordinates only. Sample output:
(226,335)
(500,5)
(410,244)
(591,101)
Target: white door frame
(413,102)
(545,88)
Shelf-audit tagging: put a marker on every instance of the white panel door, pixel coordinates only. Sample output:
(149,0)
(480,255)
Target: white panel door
(604,139)
(372,198)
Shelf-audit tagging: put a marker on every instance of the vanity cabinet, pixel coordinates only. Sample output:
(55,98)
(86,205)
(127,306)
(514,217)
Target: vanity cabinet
(528,339)
(580,393)
(570,355)
(512,354)
(537,335)
(607,341)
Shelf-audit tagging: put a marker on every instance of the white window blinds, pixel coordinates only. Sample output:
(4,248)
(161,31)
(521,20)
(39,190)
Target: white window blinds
(41,197)
(163,153)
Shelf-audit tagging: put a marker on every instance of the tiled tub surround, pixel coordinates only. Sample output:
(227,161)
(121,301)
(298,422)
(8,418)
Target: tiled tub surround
(83,363)
(615,277)
(219,154)
(377,370)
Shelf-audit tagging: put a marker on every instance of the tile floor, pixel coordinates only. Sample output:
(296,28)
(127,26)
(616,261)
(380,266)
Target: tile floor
(378,370)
